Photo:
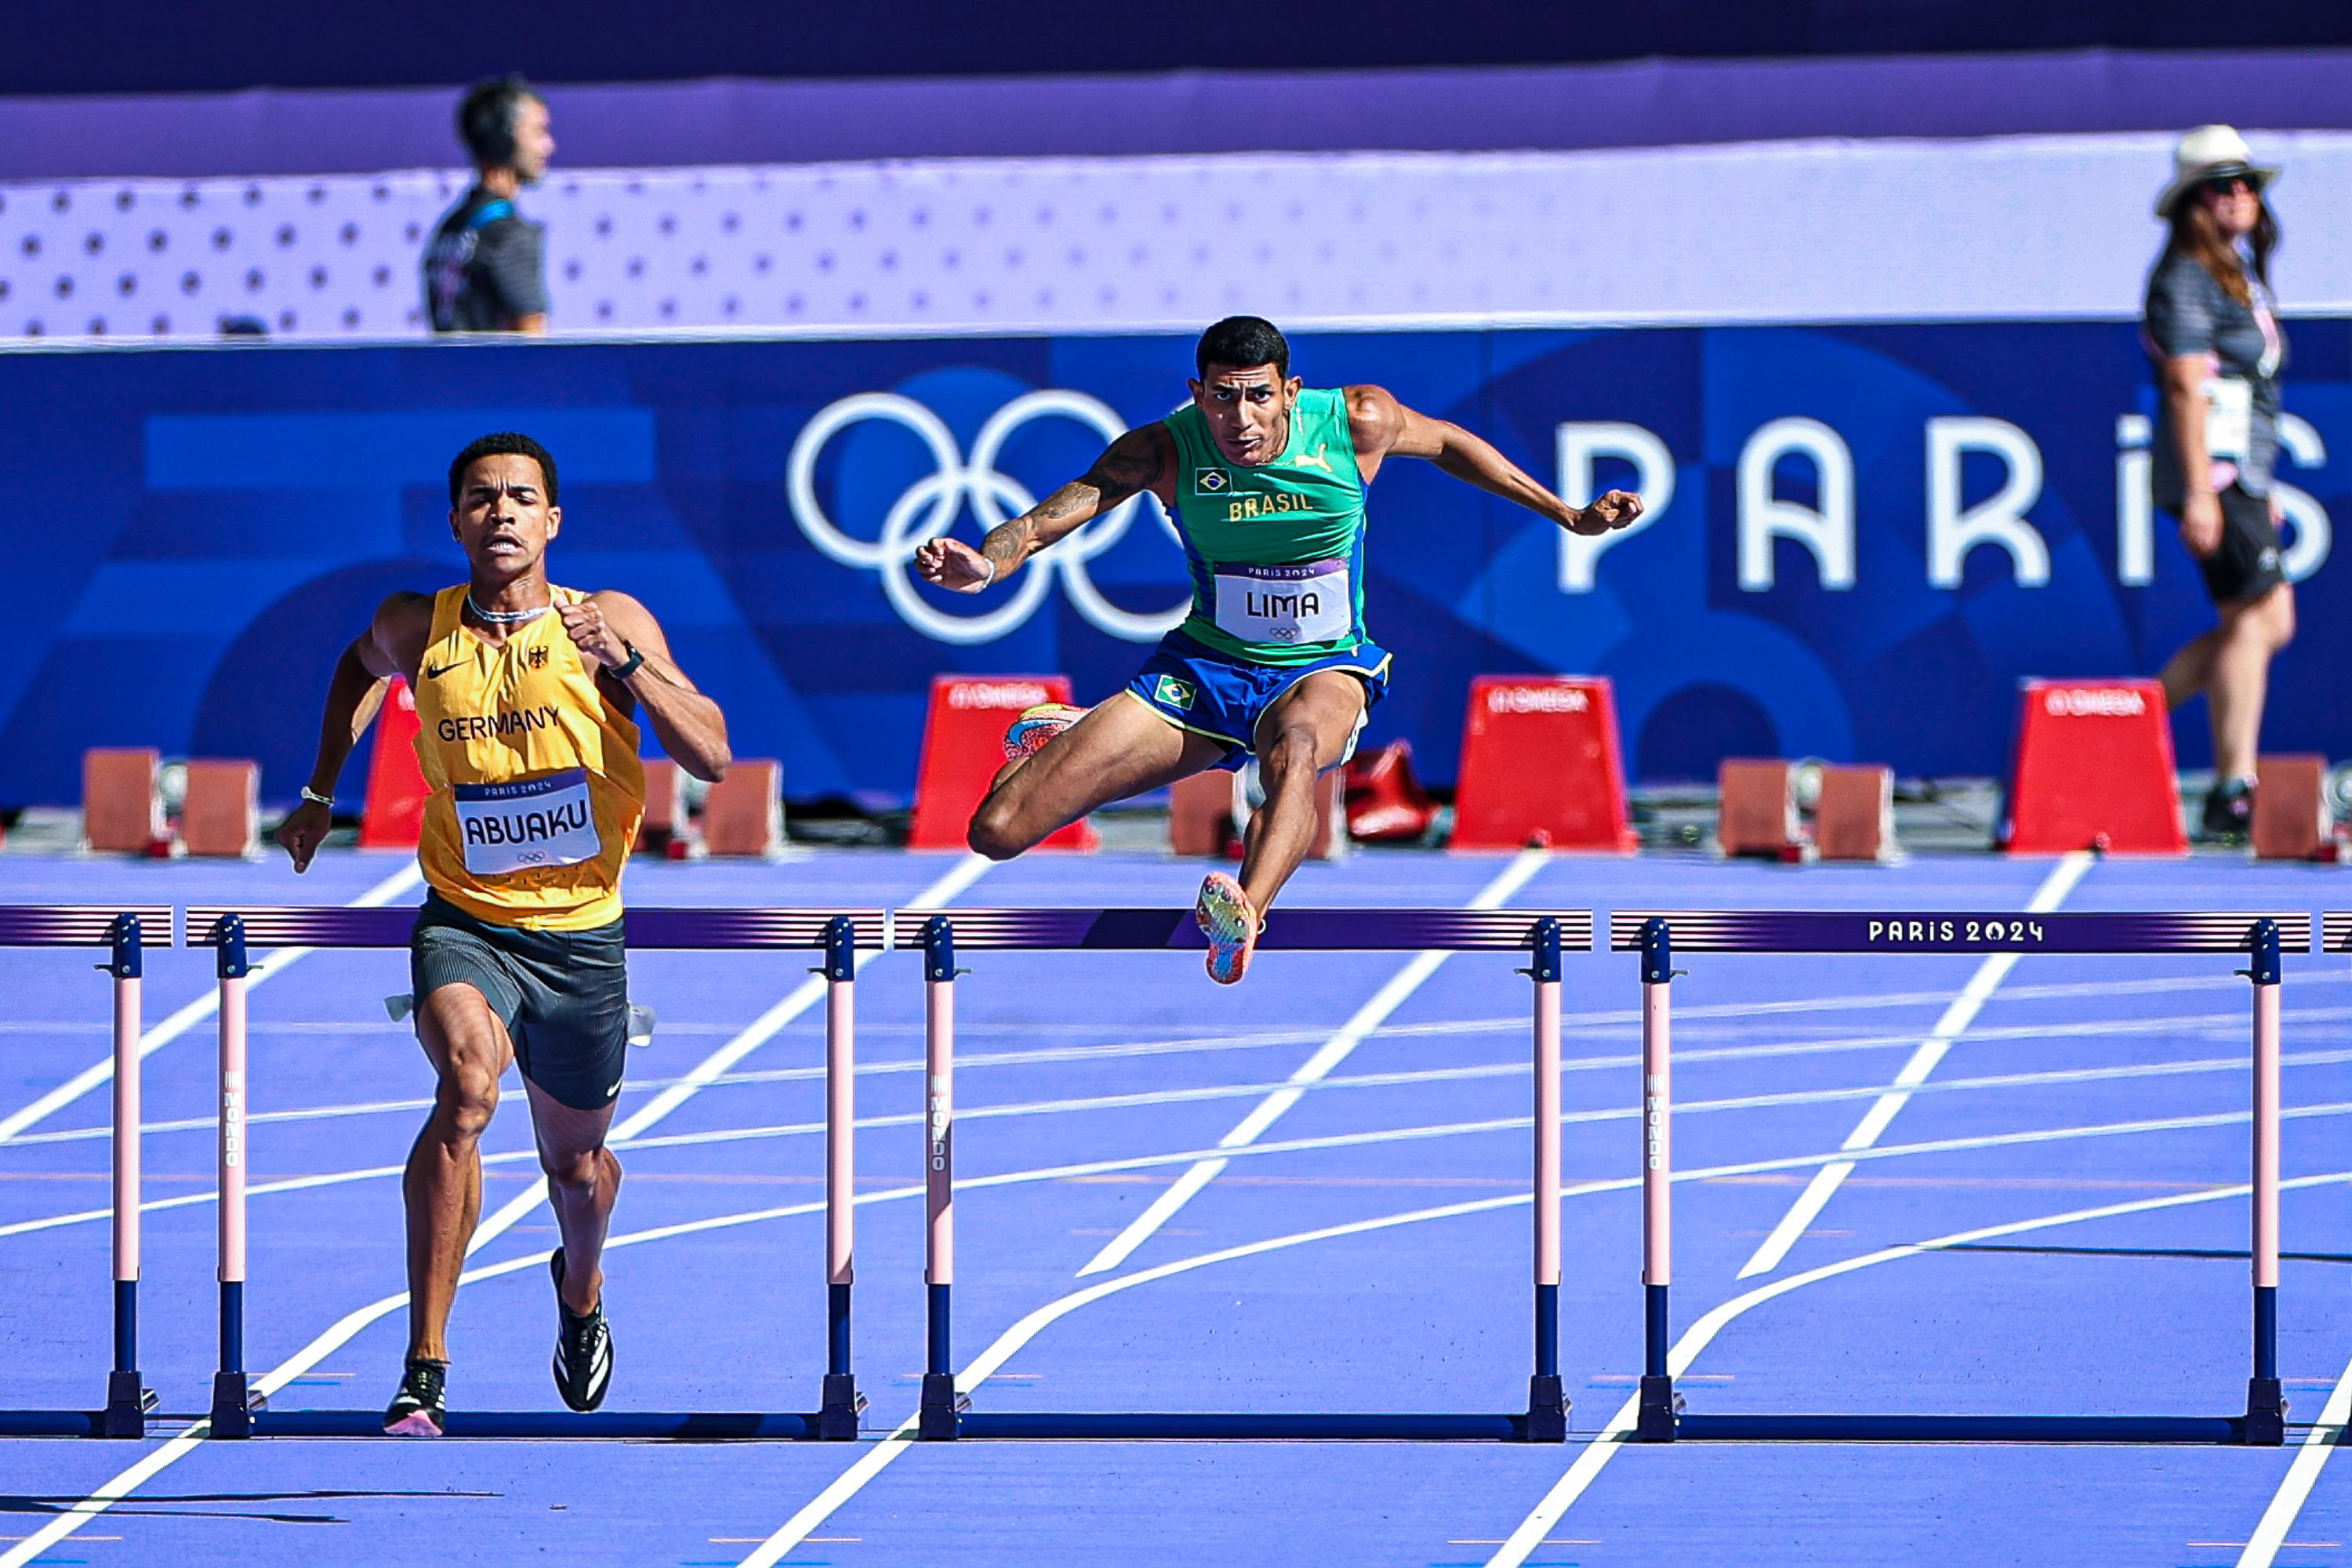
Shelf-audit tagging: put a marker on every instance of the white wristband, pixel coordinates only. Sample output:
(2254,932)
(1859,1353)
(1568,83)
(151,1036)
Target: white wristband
(315,798)
(984,582)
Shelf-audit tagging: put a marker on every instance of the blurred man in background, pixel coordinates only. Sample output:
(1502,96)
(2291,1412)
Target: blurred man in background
(486,264)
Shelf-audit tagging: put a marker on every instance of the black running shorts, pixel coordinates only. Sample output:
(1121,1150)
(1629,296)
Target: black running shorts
(2247,564)
(564,995)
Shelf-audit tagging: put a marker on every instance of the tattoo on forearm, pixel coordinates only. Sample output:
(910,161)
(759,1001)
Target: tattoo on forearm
(1006,546)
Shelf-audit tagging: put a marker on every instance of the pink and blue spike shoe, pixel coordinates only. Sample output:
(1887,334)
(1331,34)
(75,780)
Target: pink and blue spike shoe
(1224,913)
(1027,734)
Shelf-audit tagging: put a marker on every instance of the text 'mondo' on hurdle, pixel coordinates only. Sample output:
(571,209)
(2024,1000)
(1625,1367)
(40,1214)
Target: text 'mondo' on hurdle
(1544,935)
(835,936)
(1659,935)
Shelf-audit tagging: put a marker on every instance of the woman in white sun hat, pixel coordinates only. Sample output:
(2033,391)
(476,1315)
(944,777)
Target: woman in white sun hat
(2212,328)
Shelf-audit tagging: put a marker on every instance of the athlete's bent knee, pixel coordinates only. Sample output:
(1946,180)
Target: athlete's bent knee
(1290,749)
(991,833)
(465,1099)
(574,1173)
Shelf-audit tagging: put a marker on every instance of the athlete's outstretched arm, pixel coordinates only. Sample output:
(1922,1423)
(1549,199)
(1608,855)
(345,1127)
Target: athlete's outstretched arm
(1383,426)
(388,647)
(605,625)
(1137,462)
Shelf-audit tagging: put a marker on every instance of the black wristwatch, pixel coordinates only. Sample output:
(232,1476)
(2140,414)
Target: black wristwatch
(636,661)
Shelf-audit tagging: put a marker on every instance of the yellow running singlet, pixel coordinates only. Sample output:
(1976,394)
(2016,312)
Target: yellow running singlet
(537,786)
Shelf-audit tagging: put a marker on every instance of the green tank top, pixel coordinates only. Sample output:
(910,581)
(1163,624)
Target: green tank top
(1277,549)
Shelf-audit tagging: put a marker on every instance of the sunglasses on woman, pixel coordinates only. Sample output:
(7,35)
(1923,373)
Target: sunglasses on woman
(2226,185)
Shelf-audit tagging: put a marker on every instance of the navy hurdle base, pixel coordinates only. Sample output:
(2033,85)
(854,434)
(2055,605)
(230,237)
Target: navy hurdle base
(1543,934)
(239,1409)
(1658,934)
(125,932)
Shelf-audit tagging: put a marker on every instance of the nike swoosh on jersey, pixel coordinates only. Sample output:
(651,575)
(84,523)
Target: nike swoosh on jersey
(433,674)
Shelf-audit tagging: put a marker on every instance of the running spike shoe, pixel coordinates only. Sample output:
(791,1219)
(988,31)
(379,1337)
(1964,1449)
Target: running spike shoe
(584,1348)
(1224,914)
(1028,733)
(417,1409)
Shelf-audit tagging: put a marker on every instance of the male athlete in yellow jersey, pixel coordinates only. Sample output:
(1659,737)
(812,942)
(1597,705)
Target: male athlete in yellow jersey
(524,693)
(1265,482)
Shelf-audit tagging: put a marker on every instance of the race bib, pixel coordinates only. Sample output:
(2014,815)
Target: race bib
(526,825)
(1309,604)
(2229,418)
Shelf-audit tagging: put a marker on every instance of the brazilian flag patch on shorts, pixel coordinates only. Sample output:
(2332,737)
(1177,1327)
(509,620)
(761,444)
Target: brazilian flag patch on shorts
(1174,692)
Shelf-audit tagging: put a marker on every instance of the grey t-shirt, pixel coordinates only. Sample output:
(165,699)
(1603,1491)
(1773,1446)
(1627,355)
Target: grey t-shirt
(485,266)
(2189,312)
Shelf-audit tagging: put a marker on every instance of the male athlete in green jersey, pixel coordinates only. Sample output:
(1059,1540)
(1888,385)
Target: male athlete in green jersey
(1265,480)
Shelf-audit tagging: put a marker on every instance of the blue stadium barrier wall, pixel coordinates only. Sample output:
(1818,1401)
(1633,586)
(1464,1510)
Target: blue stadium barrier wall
(195,533)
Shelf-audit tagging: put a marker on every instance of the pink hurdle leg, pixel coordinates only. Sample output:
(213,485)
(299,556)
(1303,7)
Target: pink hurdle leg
(1546,1398)
(127,1396)
(2265,1407)
(940,1406)
(1655,1420)
(232,1413)
(837,1417)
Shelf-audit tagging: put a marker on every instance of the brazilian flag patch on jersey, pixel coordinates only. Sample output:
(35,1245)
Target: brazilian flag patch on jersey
(1211,481)
(1174,692)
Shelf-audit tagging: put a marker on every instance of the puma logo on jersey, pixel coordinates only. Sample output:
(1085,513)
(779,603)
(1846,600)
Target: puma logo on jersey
(1314,460)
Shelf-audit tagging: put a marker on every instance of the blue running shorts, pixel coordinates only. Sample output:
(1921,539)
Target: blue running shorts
(1195,687)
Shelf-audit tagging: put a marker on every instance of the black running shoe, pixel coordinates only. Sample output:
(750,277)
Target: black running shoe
(417,1411)
(584,1348)
(2230,809)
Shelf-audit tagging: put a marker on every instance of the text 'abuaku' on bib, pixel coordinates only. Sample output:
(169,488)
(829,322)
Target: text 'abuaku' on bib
(528,824)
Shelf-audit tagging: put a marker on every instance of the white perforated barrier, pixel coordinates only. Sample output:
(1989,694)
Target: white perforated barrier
(2033,226)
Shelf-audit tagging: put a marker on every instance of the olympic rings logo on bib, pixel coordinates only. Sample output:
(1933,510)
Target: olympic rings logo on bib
(930,506)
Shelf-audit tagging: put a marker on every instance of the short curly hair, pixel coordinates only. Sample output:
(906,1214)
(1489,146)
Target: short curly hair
(500,444)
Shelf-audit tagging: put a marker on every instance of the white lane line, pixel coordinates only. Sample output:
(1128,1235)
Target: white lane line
(1604,1448)
(967,871)
(2285,1503)
(187,1018)
(1955,1021)
(1369,1017)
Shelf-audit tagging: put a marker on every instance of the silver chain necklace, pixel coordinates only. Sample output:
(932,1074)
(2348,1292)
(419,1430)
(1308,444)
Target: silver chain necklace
(504,617)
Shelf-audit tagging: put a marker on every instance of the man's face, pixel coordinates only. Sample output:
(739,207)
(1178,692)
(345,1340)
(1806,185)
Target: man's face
(502,516)
(534,141)
(1248,410)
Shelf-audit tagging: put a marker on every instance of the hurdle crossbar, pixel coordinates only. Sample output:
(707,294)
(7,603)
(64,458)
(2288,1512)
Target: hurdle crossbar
(1543,934)
(1657,935)
(240,1410)
(124,930)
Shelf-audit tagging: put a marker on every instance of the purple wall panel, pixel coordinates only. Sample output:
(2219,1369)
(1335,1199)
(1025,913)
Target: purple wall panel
(1632,104)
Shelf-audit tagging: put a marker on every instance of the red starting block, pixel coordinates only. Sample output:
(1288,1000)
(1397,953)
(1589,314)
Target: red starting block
(393,816)
(1756,811)
(1385,802)
(744,813)
(2294,819)
(221,812)
(963,748)
(1540,765)
(2093,770)
(122,801)
(1854,818)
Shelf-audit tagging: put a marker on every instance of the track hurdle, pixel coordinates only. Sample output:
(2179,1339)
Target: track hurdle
(1543,934)
(125,932)
(1658,934)
(239,1410)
